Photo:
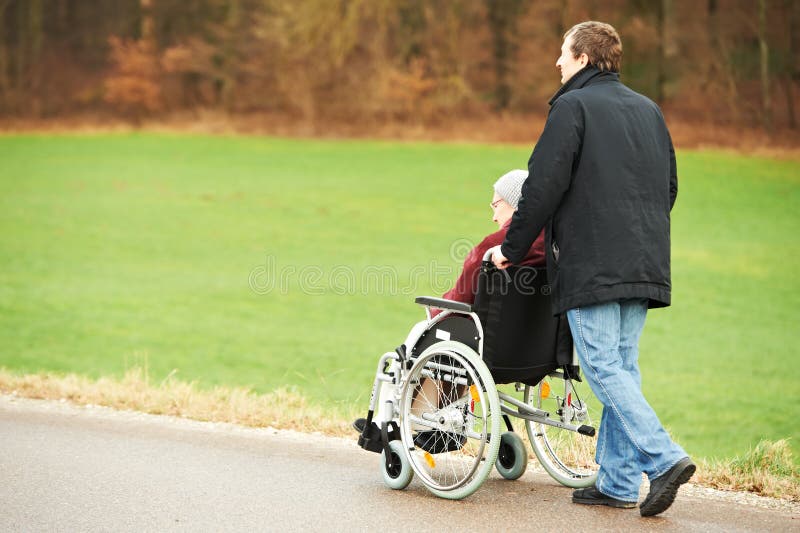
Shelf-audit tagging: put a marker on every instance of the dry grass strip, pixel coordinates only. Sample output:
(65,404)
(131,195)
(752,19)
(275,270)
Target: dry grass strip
(768,469)
(281,409)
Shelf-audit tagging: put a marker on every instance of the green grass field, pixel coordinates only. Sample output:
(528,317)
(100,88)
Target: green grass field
(123,249)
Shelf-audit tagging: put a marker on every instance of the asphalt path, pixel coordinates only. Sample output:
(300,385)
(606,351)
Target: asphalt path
(67,468)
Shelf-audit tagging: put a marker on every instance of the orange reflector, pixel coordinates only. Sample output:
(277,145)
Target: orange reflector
(473,391)
(429,459)
(544,392)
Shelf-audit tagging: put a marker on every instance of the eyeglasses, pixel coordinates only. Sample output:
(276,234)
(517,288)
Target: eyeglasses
(495,203)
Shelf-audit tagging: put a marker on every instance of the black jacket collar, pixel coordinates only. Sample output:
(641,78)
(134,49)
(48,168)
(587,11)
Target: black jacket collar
(586,76)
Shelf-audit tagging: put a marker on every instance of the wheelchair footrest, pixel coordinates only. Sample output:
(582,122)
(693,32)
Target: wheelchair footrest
(371,440)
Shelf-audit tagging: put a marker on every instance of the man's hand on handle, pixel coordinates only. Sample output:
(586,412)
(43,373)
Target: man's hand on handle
(499,260)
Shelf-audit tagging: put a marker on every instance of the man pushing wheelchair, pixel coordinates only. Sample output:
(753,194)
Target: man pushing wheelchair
(601,183)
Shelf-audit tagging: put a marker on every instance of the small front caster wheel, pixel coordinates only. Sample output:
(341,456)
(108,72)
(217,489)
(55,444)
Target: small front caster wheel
(512,459)
(397,475)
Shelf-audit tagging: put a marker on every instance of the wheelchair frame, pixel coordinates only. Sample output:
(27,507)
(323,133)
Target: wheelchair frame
(402,369)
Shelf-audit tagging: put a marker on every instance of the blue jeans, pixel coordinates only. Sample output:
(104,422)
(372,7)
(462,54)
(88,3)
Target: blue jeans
(631,439)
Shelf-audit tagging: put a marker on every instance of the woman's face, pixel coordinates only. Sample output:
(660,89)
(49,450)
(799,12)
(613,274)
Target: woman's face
(501,209)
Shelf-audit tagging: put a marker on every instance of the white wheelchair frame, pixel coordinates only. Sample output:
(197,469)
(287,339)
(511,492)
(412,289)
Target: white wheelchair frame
(398,377)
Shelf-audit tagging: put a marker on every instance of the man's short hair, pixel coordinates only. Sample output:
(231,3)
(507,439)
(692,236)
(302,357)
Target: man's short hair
(599,41)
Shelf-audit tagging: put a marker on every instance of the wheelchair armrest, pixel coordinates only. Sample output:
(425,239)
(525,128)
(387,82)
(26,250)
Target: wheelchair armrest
(441,303)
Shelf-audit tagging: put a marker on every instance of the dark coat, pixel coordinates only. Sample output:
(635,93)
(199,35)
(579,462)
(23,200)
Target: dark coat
(602,181)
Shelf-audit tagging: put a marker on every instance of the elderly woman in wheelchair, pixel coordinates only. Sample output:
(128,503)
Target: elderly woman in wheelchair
(435,409)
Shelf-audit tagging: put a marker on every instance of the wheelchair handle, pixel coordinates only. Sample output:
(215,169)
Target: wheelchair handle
(487,259)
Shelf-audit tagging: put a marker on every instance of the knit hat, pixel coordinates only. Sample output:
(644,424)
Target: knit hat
(509,186)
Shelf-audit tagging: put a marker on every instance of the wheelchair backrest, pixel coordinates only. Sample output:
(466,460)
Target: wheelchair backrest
(523,341)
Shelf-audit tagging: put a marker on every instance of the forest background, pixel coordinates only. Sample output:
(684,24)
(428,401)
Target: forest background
(725,71)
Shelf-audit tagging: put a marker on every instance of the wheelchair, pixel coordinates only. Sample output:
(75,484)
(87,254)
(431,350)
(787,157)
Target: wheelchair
(436,411)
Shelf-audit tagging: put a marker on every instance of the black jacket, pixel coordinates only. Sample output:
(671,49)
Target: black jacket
(602,180)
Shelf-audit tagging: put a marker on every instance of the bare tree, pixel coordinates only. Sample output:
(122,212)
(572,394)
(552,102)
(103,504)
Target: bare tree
(502,16)
(229,54)
(663,16)
(792,74)
(36,37)
(4,81)
(763,46)
(563,17)
(148,25)
(721,68)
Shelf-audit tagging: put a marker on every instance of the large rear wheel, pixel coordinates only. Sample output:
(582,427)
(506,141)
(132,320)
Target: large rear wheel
(568,456)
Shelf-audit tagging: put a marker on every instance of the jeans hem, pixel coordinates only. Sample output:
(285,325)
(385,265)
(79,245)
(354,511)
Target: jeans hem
(670,467)
(627,499)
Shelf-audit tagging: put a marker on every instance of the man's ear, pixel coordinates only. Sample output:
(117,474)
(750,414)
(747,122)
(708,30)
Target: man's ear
(585,59)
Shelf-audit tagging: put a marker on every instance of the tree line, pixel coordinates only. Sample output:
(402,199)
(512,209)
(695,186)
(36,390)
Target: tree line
(718,61)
